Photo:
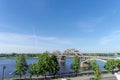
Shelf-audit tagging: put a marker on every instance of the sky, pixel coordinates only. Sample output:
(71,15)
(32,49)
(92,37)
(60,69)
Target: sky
(33,26)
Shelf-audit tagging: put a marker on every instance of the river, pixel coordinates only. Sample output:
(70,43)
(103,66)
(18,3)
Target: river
(10,66)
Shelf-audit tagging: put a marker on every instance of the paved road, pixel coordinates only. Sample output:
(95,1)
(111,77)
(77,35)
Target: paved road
(106,77)
(109,78)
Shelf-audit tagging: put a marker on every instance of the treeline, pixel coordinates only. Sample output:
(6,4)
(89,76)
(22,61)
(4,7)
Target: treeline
(12,55)
(101,54)
(57,53)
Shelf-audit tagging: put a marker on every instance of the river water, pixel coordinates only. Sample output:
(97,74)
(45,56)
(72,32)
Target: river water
(10,66)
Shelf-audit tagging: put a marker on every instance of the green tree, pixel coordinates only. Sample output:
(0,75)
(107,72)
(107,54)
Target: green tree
(44,64)
(21,65)
(110,65)
(76,64)
(95,67)
(54,66)
(33,69)
(118,64)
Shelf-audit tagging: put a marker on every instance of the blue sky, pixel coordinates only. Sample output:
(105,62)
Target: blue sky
(40,25)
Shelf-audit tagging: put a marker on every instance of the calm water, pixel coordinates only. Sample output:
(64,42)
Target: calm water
(10,63)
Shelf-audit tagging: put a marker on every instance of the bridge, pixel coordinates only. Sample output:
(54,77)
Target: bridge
(84,59)
(87,60)
(85,63)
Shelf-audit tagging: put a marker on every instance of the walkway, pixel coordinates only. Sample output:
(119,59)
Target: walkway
(105,77)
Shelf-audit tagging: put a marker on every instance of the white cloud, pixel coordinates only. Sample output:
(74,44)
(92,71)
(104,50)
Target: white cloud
(22,37)
(89,25)
(10,42)
(111,38)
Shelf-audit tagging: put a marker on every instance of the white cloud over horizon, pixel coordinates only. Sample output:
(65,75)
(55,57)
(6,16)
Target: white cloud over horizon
(89,25)
(112,38)
(24,43)
(14,42)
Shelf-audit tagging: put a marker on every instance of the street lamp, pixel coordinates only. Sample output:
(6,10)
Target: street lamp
(3,72)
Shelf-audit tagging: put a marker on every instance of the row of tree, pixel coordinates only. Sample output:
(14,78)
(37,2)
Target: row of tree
(93,64)
(112,64)
(31,55)
(100,54)
(57,52)
(46,64)
(12,55)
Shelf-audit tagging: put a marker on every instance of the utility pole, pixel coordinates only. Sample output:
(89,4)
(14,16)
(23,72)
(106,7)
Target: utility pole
(3,72)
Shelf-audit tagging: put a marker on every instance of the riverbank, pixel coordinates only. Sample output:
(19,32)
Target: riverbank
(72,75)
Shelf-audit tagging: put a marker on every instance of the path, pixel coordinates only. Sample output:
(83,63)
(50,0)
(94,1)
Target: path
(104,77)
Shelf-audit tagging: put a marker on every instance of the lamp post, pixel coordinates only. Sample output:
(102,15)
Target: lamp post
(3,72)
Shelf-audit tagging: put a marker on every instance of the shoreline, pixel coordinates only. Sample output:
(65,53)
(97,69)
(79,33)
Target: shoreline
(70,74)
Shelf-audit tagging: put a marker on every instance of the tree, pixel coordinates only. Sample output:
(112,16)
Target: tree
(33,69)
(54,66)
(110,65)
(21,65)
(95,67)
(76,64)
(44,64)
(118,64)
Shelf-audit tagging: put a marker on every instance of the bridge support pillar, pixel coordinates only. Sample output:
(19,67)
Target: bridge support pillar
(62,60)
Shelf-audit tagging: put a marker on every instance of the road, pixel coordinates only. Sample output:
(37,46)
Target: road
(105,77)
